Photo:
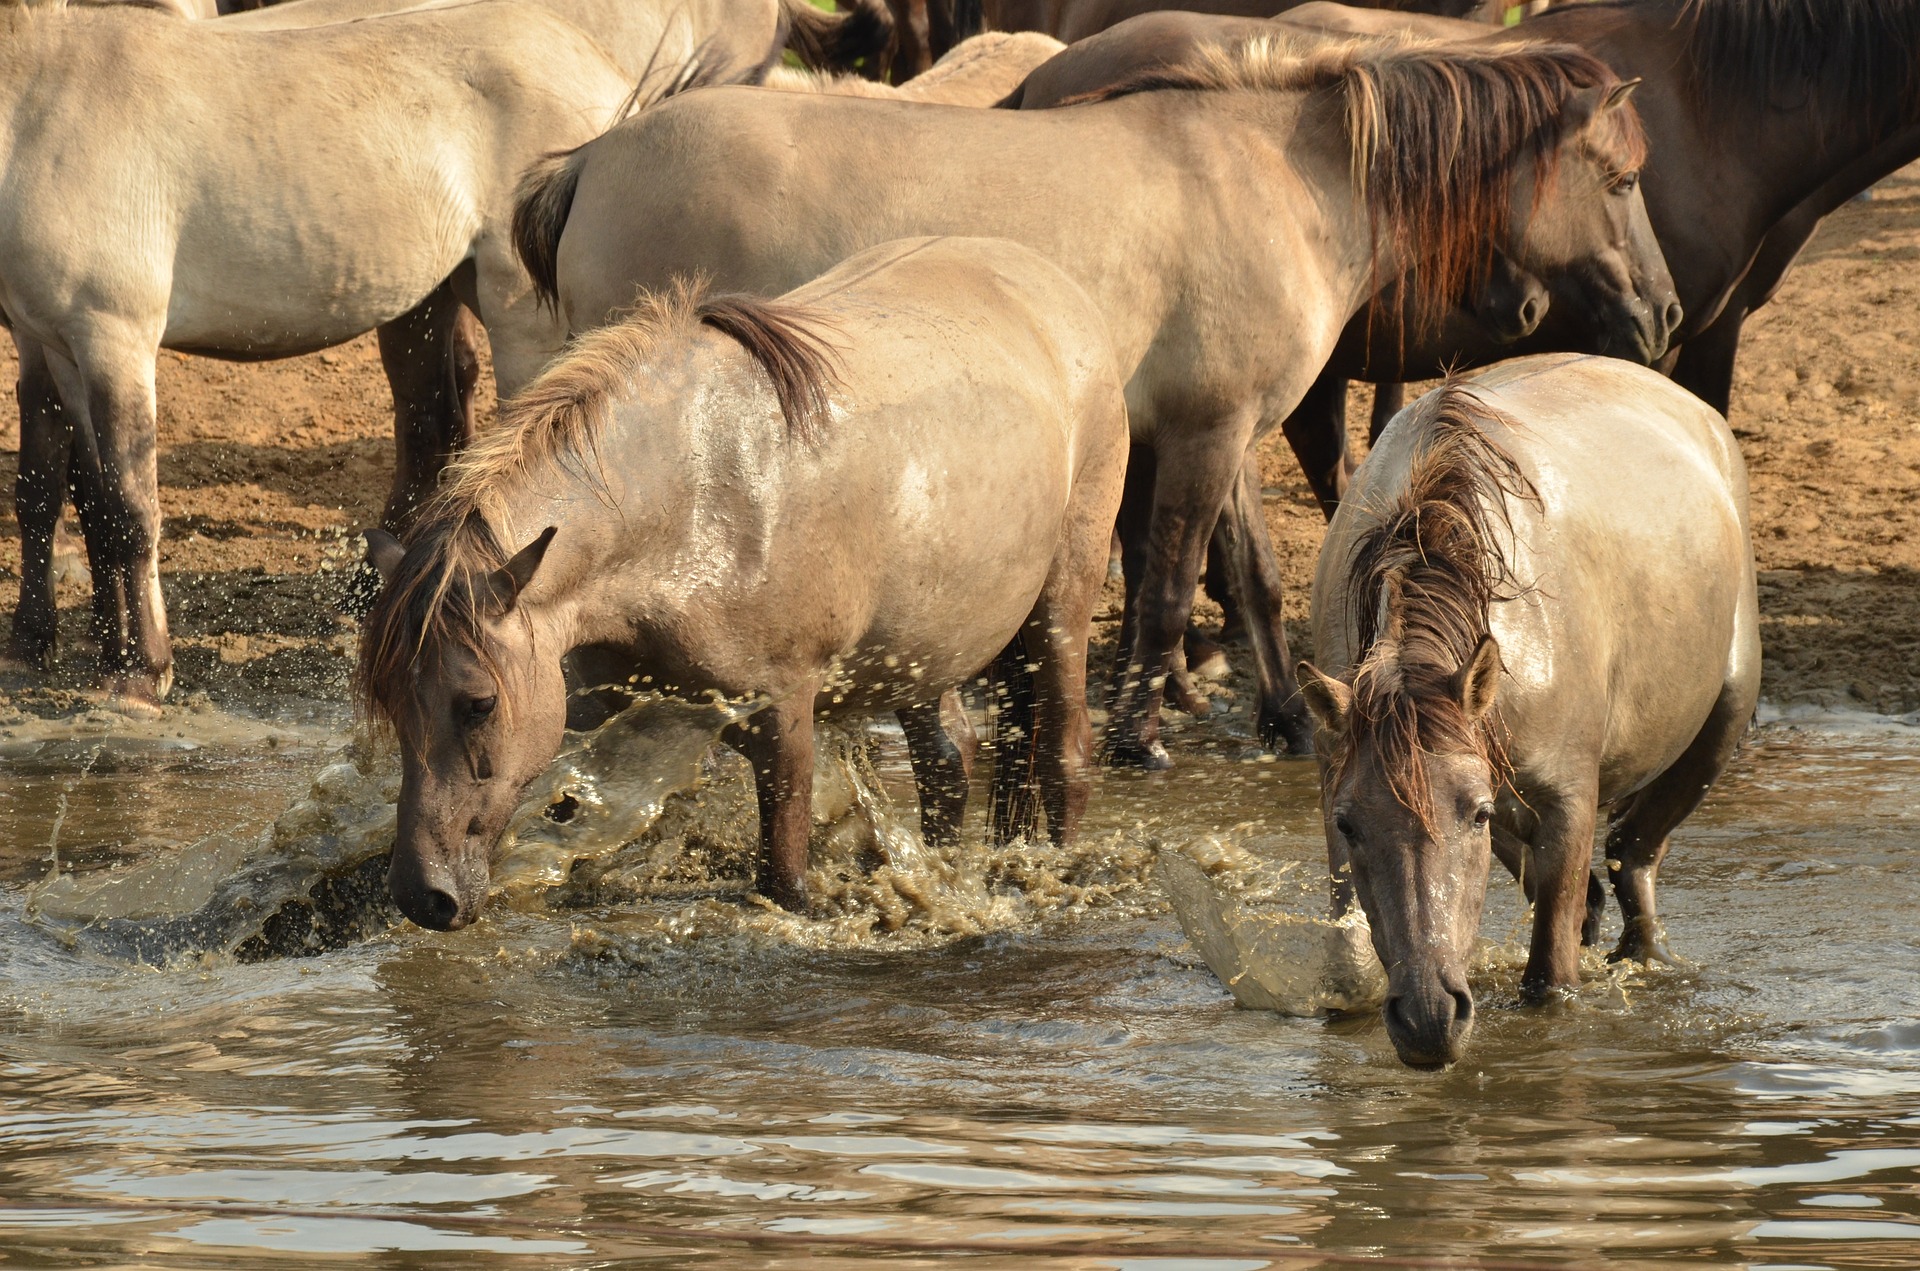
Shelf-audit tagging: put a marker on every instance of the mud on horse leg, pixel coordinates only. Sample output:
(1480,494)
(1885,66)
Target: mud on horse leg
(1280,712)
(1194,476)
(778,742)
(39,496)
(117,487)
(430,355)
(941,746)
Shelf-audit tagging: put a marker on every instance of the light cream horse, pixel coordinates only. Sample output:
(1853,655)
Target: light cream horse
(976,72)
(252,194)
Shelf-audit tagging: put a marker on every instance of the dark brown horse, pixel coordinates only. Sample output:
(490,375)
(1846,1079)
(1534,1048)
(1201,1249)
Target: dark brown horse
(1228,221)
(1538,602)
(845,501)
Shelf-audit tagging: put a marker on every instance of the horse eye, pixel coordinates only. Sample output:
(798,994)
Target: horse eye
(481,707)
(1343,826)
(1624,183)
(1482,815)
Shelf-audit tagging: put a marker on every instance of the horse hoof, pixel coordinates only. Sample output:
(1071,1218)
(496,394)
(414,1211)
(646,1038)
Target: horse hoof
(1287,734)
(133,696)
(1150,757)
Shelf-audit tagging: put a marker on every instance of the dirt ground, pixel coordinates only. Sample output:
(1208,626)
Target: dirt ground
(268,471)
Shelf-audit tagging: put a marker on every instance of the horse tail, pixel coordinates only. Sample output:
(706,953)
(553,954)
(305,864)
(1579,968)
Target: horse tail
(835,41)
(784,339)
(540,209)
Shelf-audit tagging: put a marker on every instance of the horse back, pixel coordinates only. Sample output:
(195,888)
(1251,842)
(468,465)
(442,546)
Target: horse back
(1633,580)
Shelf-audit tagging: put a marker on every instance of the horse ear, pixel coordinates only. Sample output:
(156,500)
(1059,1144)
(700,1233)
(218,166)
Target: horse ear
(1326,697)
(384,553)
(1618,95)
(1476,682)
(506,583)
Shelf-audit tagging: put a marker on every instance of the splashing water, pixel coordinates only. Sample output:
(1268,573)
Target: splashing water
(1252,920)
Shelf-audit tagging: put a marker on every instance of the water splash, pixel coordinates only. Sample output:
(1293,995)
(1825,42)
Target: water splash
(1253,920)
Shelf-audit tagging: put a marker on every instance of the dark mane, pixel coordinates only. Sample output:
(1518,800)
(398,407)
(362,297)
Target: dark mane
(1845,59)
(1420,581)
(438,597)
(1438,134)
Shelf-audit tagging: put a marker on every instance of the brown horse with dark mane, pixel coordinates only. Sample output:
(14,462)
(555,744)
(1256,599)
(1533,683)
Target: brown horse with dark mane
(845,501)
(1537,601)
(1228,221)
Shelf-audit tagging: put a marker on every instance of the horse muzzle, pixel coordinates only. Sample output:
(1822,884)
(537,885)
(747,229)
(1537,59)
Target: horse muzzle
(1429,1018)
(433,893)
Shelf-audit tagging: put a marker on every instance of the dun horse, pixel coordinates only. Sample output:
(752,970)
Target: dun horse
(711,495)
(1536,601)
(1227,221)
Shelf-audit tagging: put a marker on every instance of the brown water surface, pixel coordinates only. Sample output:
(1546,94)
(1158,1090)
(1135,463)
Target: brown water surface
(1014,1051)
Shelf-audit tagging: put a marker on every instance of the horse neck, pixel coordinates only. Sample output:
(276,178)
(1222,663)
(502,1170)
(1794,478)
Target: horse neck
(1271,216)
(1793,139)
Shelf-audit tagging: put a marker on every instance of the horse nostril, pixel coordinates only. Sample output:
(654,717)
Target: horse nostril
(1530,313)
(1674,313)
(441,910)
(1462,1009)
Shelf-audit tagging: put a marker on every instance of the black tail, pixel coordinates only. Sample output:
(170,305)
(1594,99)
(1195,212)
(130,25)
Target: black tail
(540,208)
(836,41)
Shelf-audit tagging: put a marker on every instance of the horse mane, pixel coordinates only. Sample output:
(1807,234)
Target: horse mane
(555,423)
(1436,133)
(1860,54)
(1421,580)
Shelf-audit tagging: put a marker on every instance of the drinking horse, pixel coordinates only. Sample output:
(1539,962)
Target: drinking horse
(846,500)
(1536,601)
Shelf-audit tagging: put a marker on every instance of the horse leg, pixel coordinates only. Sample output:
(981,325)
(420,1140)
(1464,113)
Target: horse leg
(1704,365)
(1387,401)
(1511,851)
(1638,838)
(429,356)
(1131,527)
(1280,711)
(1056,640)
(117,488)
(1561,865)
(1317,432)
(39,496)
(1012,812)
(941,746)
(1195,474)
(778,742)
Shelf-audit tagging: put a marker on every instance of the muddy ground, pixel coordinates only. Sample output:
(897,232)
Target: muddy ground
(267,471)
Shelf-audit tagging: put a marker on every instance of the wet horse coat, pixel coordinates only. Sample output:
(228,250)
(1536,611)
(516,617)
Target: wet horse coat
(1537,601)
(1219,220)
(845,501)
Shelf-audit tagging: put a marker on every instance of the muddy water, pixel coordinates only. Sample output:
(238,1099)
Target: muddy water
(1015,1052)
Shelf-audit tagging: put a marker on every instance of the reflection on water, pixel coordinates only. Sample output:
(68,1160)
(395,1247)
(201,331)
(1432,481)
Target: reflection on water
(1013,1050)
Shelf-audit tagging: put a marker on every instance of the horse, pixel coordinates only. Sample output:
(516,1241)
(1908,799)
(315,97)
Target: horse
(1536,601)
(366,168)
(744,36)
(977,72)
(845,500)
(1075,20)
(1823,97)
(1229,221)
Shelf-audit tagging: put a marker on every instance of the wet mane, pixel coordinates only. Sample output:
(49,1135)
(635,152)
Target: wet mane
(1421,580)
(1437,135)
(435,601)
(1844,59)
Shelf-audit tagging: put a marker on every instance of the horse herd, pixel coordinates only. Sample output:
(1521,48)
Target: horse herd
(826,396)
